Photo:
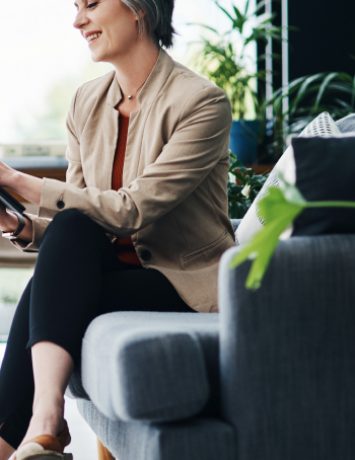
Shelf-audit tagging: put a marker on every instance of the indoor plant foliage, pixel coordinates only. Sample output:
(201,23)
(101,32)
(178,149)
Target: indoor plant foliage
(307,97)
(230,61)
(243,186)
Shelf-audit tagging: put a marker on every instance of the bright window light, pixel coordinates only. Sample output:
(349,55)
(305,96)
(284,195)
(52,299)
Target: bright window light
(44,59)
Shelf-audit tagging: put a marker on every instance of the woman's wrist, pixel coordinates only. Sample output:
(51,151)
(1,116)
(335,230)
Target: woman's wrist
(11,179)
(19,229)
(29,187)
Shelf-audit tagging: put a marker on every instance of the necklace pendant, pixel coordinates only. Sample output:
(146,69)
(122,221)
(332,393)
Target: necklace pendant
(130,97)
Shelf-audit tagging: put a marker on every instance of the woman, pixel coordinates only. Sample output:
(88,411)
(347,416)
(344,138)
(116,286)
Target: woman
(140,223)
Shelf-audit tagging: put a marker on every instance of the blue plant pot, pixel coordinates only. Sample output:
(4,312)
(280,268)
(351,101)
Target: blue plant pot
(243,140)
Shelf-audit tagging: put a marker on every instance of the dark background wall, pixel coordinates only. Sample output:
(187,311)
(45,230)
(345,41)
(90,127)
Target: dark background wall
(325,39)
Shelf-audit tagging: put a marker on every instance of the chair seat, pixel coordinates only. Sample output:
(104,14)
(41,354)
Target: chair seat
(193,439)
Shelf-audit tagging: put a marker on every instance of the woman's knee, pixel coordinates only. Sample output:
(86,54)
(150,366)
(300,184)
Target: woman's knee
(72,228)
(72,220)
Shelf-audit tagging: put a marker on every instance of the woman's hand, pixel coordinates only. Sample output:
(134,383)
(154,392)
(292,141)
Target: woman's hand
(8,222)
(7,174)
(29,187)
(25,185)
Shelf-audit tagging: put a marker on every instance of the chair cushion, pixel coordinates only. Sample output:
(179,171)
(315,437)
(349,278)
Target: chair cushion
(148,365)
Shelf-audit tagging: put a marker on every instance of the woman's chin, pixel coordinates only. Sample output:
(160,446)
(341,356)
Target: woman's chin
(99,57)
(96,57)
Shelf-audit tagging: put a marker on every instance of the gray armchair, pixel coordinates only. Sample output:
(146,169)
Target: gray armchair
(287,353)
(271,377)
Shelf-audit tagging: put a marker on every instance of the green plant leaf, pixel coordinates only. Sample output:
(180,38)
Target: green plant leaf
(227,13)
(224,58)
(261,5)
(278,207)
(239,20)
(325,83)
(246,8)
(204,26)
(304,90)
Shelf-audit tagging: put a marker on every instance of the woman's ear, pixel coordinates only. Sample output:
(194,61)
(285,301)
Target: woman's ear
(140,15)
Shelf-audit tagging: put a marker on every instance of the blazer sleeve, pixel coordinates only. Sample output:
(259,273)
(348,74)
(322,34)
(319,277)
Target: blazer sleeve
(74,175)
(198,143)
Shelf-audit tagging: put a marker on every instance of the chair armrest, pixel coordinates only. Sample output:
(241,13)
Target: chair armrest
(287,351)
(150,366)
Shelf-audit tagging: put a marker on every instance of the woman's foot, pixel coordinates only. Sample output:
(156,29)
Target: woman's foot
(47,427)
(45,446)
(47,418)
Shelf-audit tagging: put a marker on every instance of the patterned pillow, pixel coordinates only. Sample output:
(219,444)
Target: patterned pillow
(323,126)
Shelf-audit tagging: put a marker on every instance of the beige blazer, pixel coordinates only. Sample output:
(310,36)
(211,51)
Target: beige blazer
(174,195)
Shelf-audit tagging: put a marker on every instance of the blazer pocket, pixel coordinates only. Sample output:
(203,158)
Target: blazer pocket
(208,252)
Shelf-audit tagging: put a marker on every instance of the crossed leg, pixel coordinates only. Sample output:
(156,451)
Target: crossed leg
(72,284)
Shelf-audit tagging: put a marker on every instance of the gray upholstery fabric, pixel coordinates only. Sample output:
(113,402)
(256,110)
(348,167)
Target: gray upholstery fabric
(151,366)
(287,352)
(193,439)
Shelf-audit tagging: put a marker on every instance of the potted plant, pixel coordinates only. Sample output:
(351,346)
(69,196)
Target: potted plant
(243,186)
(228,60)
(307,97)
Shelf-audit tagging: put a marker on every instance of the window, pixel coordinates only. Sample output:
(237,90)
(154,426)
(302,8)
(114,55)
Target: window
(43,61)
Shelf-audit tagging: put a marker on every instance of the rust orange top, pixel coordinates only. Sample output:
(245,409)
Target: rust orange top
(124,246)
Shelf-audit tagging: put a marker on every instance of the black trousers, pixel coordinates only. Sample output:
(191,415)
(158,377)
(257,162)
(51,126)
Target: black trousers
(76,278)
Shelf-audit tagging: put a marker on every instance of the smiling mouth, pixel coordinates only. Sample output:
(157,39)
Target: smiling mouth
(93,37)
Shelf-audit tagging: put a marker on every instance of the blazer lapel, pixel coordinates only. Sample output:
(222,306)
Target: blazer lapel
(109,134)
(109,128)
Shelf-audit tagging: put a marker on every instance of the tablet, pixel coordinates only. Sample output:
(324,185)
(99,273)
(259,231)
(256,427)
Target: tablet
(10,202)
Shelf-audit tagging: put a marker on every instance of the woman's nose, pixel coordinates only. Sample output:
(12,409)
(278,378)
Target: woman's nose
(80,20)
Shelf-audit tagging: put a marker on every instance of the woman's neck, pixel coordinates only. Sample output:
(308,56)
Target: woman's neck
(133,69)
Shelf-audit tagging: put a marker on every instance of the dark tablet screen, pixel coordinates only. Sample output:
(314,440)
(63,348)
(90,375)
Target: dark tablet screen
(10,202)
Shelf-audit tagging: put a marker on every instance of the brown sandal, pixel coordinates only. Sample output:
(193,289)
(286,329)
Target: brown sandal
(45,447)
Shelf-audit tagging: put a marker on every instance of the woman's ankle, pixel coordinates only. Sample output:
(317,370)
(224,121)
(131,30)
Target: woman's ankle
(49,404)
(5,450)
(47,418)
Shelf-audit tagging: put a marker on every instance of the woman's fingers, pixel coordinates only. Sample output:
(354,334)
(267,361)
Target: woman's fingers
(6,172)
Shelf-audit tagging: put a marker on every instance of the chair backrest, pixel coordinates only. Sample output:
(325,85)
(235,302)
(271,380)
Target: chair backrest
(287,352)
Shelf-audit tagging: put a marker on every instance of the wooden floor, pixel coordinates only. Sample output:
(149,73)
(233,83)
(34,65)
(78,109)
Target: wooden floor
(83,446)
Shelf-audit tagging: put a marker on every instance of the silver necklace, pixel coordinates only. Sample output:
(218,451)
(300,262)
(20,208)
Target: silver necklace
(133,96)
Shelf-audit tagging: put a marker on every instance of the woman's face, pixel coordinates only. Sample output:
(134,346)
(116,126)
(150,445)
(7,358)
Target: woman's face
(109,27)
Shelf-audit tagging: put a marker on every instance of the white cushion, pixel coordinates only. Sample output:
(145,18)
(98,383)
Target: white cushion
(347,124)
